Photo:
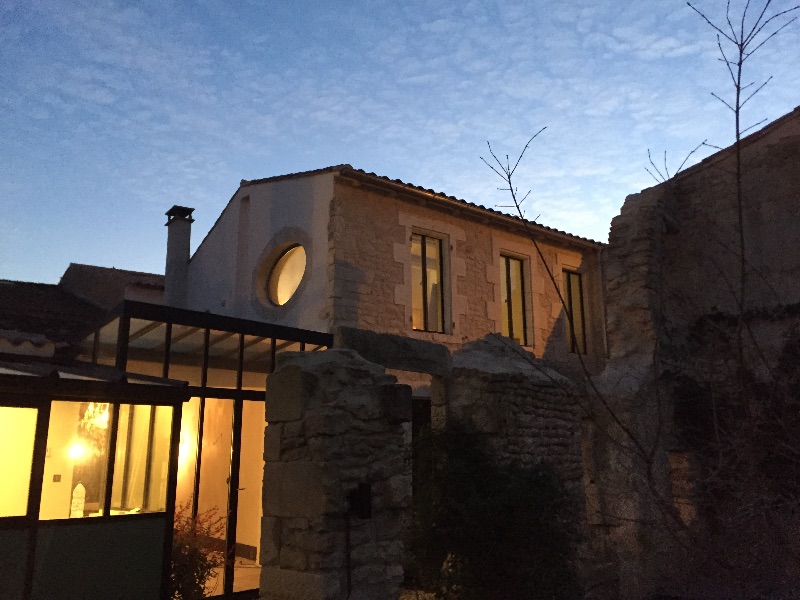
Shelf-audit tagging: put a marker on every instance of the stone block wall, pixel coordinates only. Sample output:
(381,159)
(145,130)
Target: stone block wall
(335,427)
(529,412)
(369,271)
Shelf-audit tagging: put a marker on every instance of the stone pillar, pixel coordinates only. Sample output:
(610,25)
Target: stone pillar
(335,482)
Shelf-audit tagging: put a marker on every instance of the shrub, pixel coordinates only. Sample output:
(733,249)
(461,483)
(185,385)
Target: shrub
(484,531)
(194,556)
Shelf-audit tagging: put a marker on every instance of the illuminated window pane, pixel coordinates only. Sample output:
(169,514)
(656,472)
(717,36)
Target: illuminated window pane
(142,459)
(159,459)
(215,468)
(128,490)
(77,457)
(427,294)
(251,475)
(17,433)
(512,280)
(417,290)
(433,271)
(187,452)
(573,296)
(286,275)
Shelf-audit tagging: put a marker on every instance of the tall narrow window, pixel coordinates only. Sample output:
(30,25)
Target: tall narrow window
(573,296)
(427,292)
(512,284)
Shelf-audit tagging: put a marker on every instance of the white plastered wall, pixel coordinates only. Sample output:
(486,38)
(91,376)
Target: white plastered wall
(228,269)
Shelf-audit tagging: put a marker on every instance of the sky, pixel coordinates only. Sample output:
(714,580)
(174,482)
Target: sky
(112,111)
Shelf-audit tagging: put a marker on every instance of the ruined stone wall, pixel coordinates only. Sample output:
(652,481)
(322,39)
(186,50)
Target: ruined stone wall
(673,260)
(369,273)
(702,253)
(528,411)
(335,427)
(673,250)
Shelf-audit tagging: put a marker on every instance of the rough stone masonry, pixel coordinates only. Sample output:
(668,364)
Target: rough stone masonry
(335,482)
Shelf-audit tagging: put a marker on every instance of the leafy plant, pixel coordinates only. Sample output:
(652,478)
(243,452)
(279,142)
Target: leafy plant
(194,555)
(485,531)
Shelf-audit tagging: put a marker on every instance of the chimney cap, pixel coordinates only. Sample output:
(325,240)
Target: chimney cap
(183,213)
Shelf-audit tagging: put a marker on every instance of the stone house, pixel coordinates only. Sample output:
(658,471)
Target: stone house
(358,243)
(299,262)
(293,263)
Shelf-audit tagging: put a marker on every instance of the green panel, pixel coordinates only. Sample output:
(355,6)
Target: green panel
(112,560)
(13,559)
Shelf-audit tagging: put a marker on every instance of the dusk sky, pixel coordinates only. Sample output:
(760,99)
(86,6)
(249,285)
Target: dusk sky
(111,112)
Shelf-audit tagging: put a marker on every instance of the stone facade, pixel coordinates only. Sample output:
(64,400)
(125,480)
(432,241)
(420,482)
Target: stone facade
(369,271)
(336,483)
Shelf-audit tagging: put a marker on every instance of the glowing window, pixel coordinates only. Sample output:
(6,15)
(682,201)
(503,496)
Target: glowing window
(427,291)
(286,275)
(74,481)
(512,290)
(575,321)
(17,432)
(142,459)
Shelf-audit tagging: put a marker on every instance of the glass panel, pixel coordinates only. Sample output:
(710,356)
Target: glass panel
(76,461)
(186,354)
(504,297)
(107,343)
(247,570)
(433,267)
(144,432)
(187,453)
(517,302)
(127,492)
(574,288)
(417,294)
(159,459)
(17,434)
(257,361)
(286,275)
(86,348)
(146,344)
(214,475)
(148,335)
(223,359)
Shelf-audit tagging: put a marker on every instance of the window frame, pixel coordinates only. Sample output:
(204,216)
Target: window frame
(443,246)
(577,344)
(507,306)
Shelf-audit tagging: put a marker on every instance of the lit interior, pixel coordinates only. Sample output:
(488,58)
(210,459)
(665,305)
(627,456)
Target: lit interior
(75,464)
(286,275)
(17,433)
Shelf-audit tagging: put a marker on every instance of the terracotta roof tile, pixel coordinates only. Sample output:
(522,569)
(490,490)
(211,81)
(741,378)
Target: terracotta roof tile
(349,170)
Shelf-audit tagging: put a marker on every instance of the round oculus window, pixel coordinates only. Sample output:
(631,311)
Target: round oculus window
(286,275)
